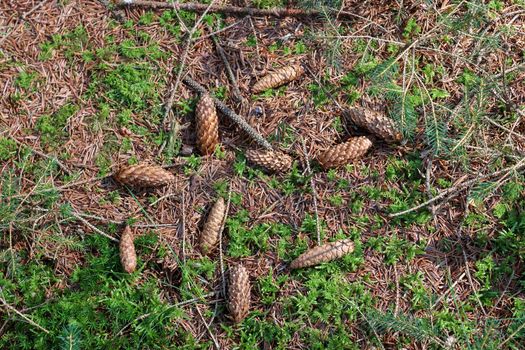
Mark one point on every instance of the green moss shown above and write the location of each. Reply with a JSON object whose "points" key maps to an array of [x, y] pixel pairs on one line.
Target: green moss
{"points": [[52, 127], [8, 148]]}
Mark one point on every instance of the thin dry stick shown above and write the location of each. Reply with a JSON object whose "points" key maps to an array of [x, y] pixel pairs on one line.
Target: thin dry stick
{"points": [[43, 155], [94, 228], [314, 194], [212, 336], [232, 10], [221, 257], [230, 114], [183, 229], [398, 294], [169, 105], [182, 303], [442, 296], [30, 321], [235, 87], [60, 188], [452, 190], [512, 335], [469, 277]]}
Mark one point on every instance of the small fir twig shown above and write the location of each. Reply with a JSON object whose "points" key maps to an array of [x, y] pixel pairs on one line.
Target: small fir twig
{"points": [[234, 10], [30, 321], [314, 194], [254, 134]]}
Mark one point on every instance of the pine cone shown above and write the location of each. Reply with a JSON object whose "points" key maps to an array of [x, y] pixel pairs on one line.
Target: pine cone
{"points": [[376, 123], [343, 153], [280, 77], [207, 125], [323, 253], [210, 232], [128, 257], [144, 175], [273, 161], [239, 293]]}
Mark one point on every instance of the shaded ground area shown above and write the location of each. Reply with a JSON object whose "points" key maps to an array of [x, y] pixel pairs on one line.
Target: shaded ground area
{"points": [[84, 89]]}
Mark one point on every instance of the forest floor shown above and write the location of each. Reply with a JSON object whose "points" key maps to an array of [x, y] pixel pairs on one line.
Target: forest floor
{"points": [[84, 89]]}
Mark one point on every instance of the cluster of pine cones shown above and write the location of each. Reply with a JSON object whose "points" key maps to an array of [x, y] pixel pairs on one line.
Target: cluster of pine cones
{"points": [[370, 121], [239, 290]]}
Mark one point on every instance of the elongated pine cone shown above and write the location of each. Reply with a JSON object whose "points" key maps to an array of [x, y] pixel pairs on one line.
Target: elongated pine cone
{"points": [[375, 123], [341, 154], [128, 256], [144, 175], [239, 293], [207, 125], [323, 253], [280, 77], [273, 161], [210, 232]]}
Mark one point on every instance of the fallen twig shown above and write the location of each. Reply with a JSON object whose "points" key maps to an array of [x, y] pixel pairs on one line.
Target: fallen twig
{"points": [[517, 167], [168, 114], [235, 87], [230, 114], [93, 227], [314, 194], [30, 321], [235, 10]]}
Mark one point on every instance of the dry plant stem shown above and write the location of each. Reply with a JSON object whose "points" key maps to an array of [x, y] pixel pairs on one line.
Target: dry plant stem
{"points": [[30, 321], [221, 255], [314, 193], [232, 10], [43, 155], [171, 99], [212, 336], [182, 303], [230, 114], [94, 228], [453, 190], [235, 87], [469, 277]]}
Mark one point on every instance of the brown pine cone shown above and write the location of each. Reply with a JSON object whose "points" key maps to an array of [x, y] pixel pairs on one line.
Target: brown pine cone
{"points": [[375, 123], [128, 257], [144, 175], [239, 293], [323, 253], [343, 153], [210, 232], [273, 161], [280, 77], [207, 125]]}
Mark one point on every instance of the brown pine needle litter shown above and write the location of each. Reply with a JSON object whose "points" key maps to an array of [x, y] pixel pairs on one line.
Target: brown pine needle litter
{"points": [[239, 293], [83, 91], [128, 256], [210, 232], [323, 253], [144, 175]]}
